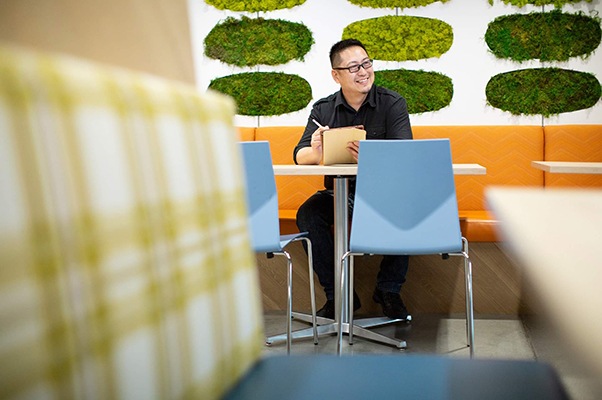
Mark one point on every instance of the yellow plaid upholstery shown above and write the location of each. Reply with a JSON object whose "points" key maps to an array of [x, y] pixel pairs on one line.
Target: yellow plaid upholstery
{"points": [[125, 264]]}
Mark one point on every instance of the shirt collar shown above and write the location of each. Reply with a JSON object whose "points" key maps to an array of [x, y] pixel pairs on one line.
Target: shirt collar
{"points": [[370, 99]]}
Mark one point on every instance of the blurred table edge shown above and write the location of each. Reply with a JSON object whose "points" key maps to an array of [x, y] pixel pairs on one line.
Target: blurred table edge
{"points": [[556, 235]]}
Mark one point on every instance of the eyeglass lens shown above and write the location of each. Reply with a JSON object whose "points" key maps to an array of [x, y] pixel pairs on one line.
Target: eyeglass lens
{"points": [[356, 68]]}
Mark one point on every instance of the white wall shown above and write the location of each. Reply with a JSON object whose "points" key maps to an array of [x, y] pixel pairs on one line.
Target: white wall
{"points": [[468, 63]]}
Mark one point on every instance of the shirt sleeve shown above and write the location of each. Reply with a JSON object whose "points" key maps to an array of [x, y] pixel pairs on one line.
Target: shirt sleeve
{"points": [[305, 140], [398, 120], [310, 128]]}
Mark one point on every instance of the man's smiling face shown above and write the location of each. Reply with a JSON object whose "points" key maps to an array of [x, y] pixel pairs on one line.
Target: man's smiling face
{"points": [[356, 83]]}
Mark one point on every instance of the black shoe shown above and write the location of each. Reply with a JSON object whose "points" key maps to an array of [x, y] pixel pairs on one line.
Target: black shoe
{"points": [[327, 311], [391, 303]]}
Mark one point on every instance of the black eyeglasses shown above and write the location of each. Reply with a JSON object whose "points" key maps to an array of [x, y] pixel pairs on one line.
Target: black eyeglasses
{"points": [[355, 68]]}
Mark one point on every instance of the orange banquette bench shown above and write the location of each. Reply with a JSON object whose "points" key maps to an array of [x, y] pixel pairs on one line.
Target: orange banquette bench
{"points": [[505, 150]]}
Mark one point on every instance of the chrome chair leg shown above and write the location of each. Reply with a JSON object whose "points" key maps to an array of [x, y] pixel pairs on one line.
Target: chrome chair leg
{"points": [[339, 311], [350, 308], [289, 303], [469, 298], [468, 294], [312, 290]]}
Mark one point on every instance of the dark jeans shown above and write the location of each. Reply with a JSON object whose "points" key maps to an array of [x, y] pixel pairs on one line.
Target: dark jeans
{"points": [[316, 216]]}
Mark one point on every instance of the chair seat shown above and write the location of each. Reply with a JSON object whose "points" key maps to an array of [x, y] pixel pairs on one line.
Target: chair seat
{"points": [[285, 240], [394, 377]]}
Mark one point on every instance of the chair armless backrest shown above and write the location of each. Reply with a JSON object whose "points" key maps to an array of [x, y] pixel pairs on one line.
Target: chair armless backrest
{"points": [[405, 201], [262, 197], [126, 269]]}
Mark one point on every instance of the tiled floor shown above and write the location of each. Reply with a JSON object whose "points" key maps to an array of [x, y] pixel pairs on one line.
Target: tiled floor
{"points": [[435, 334]]}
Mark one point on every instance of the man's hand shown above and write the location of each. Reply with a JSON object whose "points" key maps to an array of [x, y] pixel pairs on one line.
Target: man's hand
{"points": [[354, 148], [313, 154], [316, 139]]}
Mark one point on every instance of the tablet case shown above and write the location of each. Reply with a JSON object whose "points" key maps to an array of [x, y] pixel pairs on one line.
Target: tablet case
{"points": [[334, 143]]}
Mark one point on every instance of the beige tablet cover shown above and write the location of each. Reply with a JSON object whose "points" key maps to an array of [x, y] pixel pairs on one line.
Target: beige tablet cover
{"points": [[334, 143]]}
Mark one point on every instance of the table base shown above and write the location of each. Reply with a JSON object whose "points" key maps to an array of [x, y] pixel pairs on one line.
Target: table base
{"points": [[328, 327]]}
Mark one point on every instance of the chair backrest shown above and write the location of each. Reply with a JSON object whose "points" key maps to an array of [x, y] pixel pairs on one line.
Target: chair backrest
{"points": [[126, 269], [261, 195], [405, 199]]}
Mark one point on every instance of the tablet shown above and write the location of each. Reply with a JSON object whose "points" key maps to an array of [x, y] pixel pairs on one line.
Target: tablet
{"points": [[334, 143]]}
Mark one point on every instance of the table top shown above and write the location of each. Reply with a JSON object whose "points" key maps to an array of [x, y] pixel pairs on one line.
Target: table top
{"points": [[556, 235], [569, 167], [351, 169]]}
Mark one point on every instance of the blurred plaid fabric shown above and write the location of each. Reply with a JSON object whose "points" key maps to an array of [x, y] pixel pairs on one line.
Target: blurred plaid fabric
{"points": [[125, 264]]}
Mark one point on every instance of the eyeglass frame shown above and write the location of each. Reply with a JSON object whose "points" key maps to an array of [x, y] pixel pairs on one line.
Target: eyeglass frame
{"points": [[358, 66]]}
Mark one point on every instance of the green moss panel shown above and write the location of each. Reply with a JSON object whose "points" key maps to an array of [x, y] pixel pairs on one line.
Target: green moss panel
{"points": [[254, 41], [265, 93], [555, 3], [543, 91], [254, 5], [394, 3], [424, 91], [550, 36], [402, 38]]}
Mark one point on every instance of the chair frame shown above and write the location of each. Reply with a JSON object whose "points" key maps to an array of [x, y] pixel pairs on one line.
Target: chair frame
{"points": [[346, 287], [402, 344], [289, 280], [276, 244]]}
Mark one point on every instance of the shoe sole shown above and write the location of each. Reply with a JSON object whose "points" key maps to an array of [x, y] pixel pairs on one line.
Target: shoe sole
{"points": [[356, 307], [377, 300]]}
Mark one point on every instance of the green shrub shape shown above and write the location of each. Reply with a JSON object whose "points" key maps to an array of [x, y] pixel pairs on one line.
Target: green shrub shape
{"points": [[254, 5], [394, 3], [424, 91], [556, 3], [543, 91], [253, 41], [551, 36], [402, 38], [265, 93]]}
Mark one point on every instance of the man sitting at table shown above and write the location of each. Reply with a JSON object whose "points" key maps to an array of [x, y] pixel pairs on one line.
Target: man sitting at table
{"points": [[383, 114]]}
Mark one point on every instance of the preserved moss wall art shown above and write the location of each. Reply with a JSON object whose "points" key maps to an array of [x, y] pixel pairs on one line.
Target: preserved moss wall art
{"points": [[424, 91], [265, 93], [551, 36], [555, 3], [394, 3], [402, 38], [254, 5], [543, 91], [254, 41]]}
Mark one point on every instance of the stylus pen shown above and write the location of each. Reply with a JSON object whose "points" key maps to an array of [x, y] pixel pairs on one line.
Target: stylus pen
{"points": [[317, 123]]}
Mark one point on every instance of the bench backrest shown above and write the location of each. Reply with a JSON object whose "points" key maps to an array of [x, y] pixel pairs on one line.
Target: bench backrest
{"points": [[506, 152], [573, 143], [292, 190]]}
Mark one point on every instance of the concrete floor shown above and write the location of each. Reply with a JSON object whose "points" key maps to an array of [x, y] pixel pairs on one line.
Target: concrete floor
{"points": [[530, 338]]}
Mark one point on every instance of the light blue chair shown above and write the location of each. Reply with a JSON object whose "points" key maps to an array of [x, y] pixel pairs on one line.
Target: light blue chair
{"points": [[405, 204], [262, 201]]}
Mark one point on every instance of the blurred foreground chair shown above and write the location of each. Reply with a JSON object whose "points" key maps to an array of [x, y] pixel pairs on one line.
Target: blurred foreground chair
{"points": [[125, 264], [405, 204], [262, 201], [126, 267]]}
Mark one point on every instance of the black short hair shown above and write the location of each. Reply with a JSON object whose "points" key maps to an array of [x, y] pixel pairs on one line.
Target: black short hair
{"points": [[338, 47]]}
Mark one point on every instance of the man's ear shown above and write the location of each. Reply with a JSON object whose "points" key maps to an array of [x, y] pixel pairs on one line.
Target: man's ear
{"points": [[335, 75]]}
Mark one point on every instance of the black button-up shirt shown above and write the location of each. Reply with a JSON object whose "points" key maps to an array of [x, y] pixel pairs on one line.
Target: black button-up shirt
{"points": [[384, 115]]}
